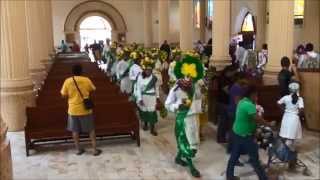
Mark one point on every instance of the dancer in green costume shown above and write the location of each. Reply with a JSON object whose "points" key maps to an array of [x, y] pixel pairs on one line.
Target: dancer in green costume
{"points": [[185, 100], [147, 95]]}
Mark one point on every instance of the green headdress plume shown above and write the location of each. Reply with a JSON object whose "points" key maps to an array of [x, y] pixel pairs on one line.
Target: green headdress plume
{"points": [[190, 66]]}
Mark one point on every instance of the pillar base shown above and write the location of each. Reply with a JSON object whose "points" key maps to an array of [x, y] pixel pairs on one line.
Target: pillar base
{"points": [[16, 95], [47, 63], [5, 154]]}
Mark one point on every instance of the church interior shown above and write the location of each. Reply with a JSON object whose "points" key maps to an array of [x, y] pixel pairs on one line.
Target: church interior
{"points": [[160, 89]]}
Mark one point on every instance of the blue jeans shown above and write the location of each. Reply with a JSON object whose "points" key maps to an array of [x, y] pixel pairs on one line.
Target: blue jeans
{"points": [[249, 146]]}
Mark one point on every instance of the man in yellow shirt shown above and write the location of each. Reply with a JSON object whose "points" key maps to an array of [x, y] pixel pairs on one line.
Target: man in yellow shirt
{"points": [[80, 119]]}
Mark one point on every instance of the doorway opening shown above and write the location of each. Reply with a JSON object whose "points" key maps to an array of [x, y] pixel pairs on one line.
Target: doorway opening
{"points": [[94, 28], [248, 31]]}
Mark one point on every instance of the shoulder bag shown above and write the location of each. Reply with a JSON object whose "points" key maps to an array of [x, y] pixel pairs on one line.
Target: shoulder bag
{"points": [[88, 103]]}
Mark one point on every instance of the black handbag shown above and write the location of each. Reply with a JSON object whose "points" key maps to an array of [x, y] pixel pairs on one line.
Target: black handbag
{"points": [[87, 102]]}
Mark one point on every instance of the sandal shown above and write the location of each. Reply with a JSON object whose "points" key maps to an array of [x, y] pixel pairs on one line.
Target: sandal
{"points": [[97, 152]]}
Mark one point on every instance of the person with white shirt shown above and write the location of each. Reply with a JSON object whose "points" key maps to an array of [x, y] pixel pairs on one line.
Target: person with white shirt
{"points": [[176, 56], [122, 72], [106, 50], [299, 55], [311, 59], [240, 54], [134, 71], [262, 58], [157, 71], [184, 99], [147, 96]]}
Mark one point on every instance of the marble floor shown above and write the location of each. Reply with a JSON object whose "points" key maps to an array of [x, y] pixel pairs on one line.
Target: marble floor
{"points": [[122, 159]]}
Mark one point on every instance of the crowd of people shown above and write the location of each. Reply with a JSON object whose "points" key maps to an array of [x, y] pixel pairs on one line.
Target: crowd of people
{"points": [[306, 58], [143, 74], [238, 99], [168, 79]]}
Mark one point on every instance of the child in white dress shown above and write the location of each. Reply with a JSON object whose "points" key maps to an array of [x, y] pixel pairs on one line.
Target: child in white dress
{"points": [[293, 105]]}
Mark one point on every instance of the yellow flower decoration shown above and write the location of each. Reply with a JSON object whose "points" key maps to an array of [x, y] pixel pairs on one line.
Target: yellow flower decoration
{"points": [[147, 63], [192, 53], [134, 55], [189, 70]]}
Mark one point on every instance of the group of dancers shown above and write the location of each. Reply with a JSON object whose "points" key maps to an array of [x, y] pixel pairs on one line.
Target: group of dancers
{"points": [[139, 73]]}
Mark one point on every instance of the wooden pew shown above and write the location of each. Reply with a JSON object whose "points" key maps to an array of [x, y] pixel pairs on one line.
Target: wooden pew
{"points": [[47, 122]]}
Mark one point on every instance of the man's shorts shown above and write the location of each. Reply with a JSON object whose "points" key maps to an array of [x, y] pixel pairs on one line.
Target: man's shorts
{"points": [[81, 124]]}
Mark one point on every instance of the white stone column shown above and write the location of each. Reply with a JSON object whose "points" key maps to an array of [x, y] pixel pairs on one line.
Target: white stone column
{"points": [[280, 33], [44, 30], [202, 20], [260, 19], [221, 33], [47, 32], [5, 153], [186, 24], [147, 23], [163, 20], [311, 23], [16, 84], [35, 43], [50, 26]]}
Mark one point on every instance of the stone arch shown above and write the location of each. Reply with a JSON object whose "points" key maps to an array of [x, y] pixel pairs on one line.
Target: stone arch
{"points": [[94, 8]]}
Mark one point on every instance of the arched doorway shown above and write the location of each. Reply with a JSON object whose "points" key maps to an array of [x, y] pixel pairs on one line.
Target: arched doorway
{"points": [[94, 28], [248, 31], [94, 8]]}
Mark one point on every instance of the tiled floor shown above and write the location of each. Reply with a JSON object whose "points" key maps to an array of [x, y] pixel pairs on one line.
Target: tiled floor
{"points": [[122, 159]]}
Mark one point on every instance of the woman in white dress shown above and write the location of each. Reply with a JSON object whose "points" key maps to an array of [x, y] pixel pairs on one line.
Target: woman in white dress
{"points": [[293, 105]]}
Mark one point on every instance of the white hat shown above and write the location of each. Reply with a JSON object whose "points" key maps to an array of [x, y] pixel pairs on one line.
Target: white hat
{"points": [[294, 87]]}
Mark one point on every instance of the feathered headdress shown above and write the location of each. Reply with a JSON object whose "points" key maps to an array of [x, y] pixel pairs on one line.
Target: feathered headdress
{"points": [[120, 55], [163, 55], [113, 45], [134, 55], [147, 63], [190, 66], [176, 52]]}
